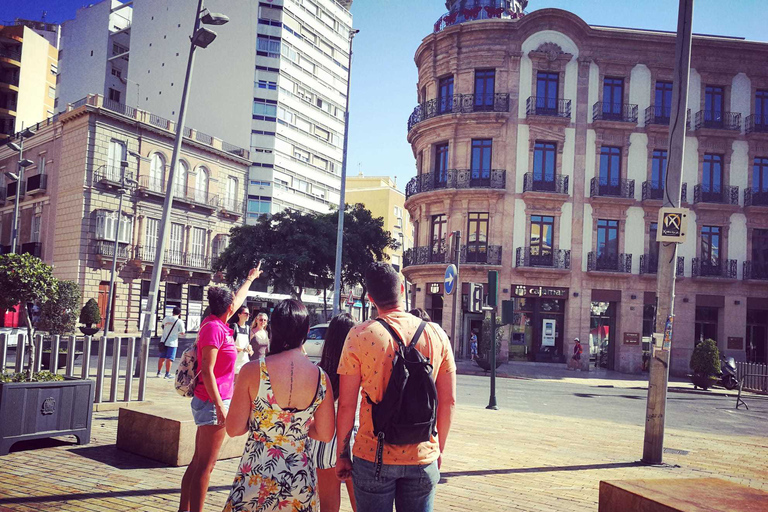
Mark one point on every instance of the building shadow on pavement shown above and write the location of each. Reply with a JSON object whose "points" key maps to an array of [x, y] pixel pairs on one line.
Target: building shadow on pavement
{"points": [[48, 442], [118, 459], [70, 497], [543, 469]]}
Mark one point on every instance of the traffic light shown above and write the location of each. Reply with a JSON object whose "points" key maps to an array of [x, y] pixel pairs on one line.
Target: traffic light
{"points": [[493, 288], [508, 312]]}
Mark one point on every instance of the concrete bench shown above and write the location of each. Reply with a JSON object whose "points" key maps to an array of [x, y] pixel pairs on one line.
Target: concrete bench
{"points": [[681, 495], [166, 434]]}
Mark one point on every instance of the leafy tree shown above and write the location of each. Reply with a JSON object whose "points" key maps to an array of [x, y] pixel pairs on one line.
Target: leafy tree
{"points": [[90, 313], [59, 315], [24, 280]]}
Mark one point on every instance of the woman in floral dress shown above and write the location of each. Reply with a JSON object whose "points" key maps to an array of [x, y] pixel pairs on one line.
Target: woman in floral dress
{"points": [[280, 401]]}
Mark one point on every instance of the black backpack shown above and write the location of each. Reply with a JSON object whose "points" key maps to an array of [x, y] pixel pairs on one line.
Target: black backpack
{"points": [[407, 414]]}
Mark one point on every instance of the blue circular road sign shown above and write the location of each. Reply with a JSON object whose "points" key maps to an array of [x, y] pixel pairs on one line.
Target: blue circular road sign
{"points": [[450, 279]]}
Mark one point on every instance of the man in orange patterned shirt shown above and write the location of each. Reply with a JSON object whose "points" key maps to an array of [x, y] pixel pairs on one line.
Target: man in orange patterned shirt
{"points": [[409, 474]]}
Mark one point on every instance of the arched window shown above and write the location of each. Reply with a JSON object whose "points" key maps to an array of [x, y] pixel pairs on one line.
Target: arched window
{"points": [[181, 179], [201, 185], [156, 172]]}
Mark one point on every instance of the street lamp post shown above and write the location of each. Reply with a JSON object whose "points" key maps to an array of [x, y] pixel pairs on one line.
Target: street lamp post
{"points": [[342, 192], [201, 37], [19, 178], [125, 182]]}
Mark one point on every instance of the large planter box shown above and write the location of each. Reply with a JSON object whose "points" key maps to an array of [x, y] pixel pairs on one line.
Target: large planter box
{"points": [[34, 410]]}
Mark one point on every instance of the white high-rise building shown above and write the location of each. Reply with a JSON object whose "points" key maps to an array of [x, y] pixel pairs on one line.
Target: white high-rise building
{"points": [[274, 80]]}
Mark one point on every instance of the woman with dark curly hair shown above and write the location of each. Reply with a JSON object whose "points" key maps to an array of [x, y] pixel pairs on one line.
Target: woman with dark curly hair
{"points": [[281, 400], [216, 356]]}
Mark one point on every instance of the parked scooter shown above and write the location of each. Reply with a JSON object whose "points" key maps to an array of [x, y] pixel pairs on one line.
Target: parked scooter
{"points": [[728, 374]]}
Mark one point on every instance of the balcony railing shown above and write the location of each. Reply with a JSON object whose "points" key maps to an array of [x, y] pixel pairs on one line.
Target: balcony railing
{"points": [[721, 268], [720, 195], [558, 184], [456, 178], [10, 189], [11, 53], [649, 264], [474, 13], [120, 108], [653, 191], [107, 248], [718, 120], [151, 184], [109, 173], [538, 258], [160, 122], [426, 255], [203, 137], [39, 182], [756, 124], [229, 205], [201, 197], [235, 150], [612, 188], [755, 270], [551, 107], [621, 263], [481, 254], [459, 104], [755, 198], [624, 112], [33, 248], [174, 258]]}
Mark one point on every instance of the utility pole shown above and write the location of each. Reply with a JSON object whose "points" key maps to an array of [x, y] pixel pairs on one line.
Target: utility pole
{"points": [[653, 446], [342, 193], [457, 290]]}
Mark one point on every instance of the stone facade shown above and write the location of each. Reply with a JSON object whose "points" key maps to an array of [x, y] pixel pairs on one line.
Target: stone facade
{"points": [[87, 147], [538, 137]]}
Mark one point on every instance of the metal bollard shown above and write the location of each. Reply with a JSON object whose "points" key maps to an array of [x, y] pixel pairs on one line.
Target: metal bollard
{"points": [[21, 348], [101, 369], [143, 368], [71, 348], [3, 352], [116, 342], [53, 362], [85, 370], [38, 366], [129, 351]]}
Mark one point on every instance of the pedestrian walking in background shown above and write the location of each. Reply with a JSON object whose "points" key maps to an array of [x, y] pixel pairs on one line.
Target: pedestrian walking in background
{"points": [[473, 345], [577, 351], [216, 356], [173, 326], [260, 335], [242, 337], [281, 400], [324, 454], [384, 473]]}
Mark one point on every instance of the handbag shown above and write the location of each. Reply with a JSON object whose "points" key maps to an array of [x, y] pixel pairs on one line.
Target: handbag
{"points": [[162, 342]]}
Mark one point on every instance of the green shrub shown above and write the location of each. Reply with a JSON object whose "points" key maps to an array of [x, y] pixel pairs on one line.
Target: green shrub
{"points": [[45, 376], [59, 314], [705, 359], [90, 313]]}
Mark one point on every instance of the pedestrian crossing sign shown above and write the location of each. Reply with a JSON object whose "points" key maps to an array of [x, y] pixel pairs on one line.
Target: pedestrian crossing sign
{"points": [[673, 225]]}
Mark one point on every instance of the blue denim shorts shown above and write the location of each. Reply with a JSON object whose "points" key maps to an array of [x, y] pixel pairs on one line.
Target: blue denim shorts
{"points": [[168, 353], [205, 412]]}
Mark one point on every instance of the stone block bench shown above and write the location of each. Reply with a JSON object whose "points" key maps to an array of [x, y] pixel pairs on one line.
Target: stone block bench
{"points": [[166, 434], [680, 495]]}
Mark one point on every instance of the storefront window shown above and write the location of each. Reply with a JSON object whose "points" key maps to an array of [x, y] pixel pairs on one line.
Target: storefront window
{"points": [[601, 333], [706, 324]]}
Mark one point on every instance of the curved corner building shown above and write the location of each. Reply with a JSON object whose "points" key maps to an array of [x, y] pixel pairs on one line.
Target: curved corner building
{"points": [[543, 141]]}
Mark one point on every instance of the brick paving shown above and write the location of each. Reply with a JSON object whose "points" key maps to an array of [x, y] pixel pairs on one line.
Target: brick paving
{"points": [[497, 460]]}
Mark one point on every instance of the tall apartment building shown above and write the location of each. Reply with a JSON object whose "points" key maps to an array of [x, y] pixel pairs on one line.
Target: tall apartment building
{"points": [[543, 140], [274, 81], [28, 68], [69, 202]]}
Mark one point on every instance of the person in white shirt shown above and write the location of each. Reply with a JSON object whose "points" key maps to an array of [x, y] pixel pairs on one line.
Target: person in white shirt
{"points": [[242, 338], [173, 326]]}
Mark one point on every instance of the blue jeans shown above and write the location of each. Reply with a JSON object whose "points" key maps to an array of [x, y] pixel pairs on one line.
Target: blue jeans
{"points": [[409, 488]]}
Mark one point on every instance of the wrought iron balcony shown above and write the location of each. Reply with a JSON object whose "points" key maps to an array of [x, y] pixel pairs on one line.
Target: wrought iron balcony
{"points": [[10, 189], [459, 104], [719, 195], [624, 112], [33, 248], [718, 120], [721, 268], [180, 259], [109, 174], [656, 114], [107, 248], [202, 197], [426, 255], [456, 178], [550, 107], [756, 124], [231, 206], [607, 262], [755, 198], [481, 254], [558, 184], [612, 188], [474, 13], [653, 191], [37, 183], [151, 184], [649, 263], [538, 258], [755, 270]]}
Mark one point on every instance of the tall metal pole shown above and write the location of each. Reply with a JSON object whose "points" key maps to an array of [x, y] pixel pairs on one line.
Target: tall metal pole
{"points": [[15, 227], [653, 446], [457, 291], [154, 286], [121, 192], [342, 193]]}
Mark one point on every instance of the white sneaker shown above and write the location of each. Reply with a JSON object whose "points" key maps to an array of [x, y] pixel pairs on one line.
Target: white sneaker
{"points": [[168, 376], [158, 375]]}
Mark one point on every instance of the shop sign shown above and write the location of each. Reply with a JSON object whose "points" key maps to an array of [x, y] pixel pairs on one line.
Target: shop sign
{"points": [[631, 338], [735, 343], [545, 292], [674, 225]]}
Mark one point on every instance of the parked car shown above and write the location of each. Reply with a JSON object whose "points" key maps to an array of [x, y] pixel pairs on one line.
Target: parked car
{"points": [[315, 339], [13, 335]]}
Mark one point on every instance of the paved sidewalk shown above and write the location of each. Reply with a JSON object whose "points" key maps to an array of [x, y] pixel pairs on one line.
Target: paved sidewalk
{"points": [[496, 461]]}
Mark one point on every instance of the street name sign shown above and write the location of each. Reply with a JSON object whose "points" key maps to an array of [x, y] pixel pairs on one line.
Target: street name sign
{"points": [[451, 274]]}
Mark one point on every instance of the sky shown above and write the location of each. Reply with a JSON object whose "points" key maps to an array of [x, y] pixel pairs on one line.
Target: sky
{"points": [[383, 87]]}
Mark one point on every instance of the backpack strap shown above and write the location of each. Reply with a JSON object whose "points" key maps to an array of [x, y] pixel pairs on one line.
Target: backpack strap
{"points": [[392, 333], [417, 334]]}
